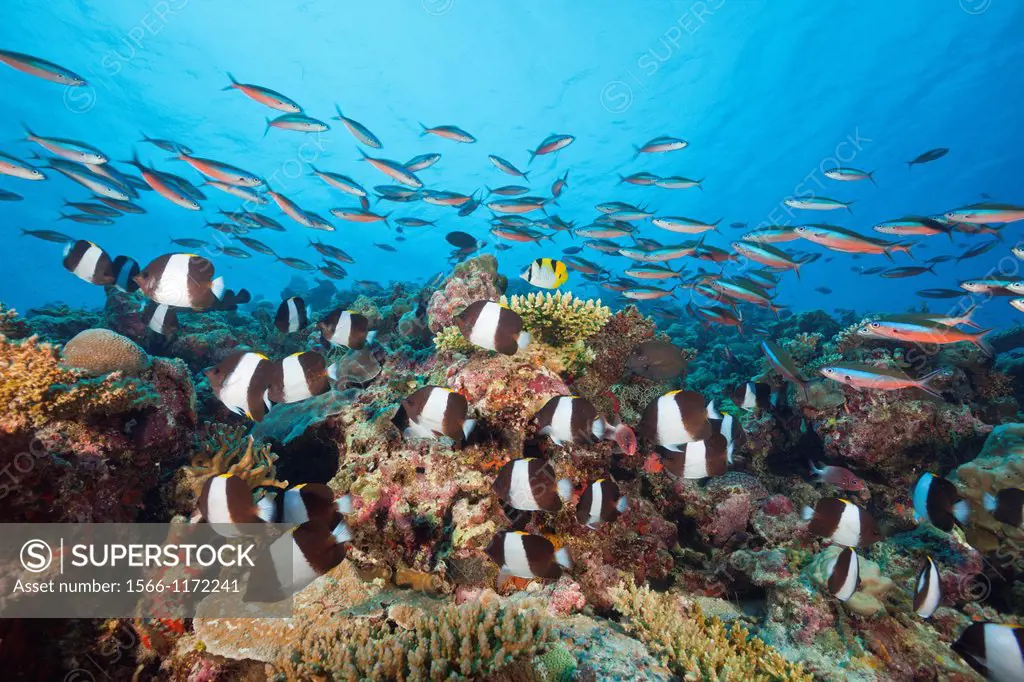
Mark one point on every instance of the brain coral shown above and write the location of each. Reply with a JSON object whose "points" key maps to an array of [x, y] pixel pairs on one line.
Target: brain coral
{"points": [[100, 351]]}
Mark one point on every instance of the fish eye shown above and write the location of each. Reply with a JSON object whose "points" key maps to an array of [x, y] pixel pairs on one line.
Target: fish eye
{"points": [[875, 325]]}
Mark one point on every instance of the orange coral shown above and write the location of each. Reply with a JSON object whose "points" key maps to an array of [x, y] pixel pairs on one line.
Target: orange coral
{"points": [[35, 388]]}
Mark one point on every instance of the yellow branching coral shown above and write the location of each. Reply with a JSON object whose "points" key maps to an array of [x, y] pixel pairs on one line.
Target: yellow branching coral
{"points": [[559, 319], [455, 642], [698, 647], [451, 340], [228, 450], [36, 388]]}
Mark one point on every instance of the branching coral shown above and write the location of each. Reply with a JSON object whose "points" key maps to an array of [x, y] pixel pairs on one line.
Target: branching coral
{"points": [[227, 450], [697, 647], [456, 642], [451, 340], [559, 319], [36, 388]]}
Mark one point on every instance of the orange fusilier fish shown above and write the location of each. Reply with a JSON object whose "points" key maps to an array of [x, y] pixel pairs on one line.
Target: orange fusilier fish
{"points": [[523, 205], [847, 241], [161, 186], [979, 214], [963, 318], [716, 314], [358, 215], [784, 364], [453, 133], [265, 96], [221, 171], [861, 376], [551, 144], [393, 170], [40, 68], [924, 332], [766, 254]]}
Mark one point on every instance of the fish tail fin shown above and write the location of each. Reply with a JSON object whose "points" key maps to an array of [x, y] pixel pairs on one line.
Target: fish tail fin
{"points": [[217, 287], [562, 558], [848, 205], [340, 115], [267, 129], [344, 504], [622, 178], [423, 128], [714, 225], [564, 488], [871, 177], [962, 512], [28, 131], [533, 155], [925, 383], [64, 216], [467, 428], [332, 372], [342, 533], [371, 336], [636, 152], [815, 471], [622, 505], [524, 340], [265, 507], [966, 317], [989, 502], [978, 339], [807, 513], [234, 83]]}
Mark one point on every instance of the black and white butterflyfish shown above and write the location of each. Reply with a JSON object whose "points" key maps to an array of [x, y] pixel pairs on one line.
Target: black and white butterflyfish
{"points": [[696, 460], [601, 502], [844, 574], [160, 318], [675, 418], [242, 382], [435, 412], [1006, 506], [994, 650], [298, 377], [225, 501], [293, 315], [529, 484], [841, 522], [304, 502], [938, 502], [346, 328], [297, 558], [927, 590], [727, 425], [570, 419], [88, 262], [523, 555], [125, 271], [493, 326]]}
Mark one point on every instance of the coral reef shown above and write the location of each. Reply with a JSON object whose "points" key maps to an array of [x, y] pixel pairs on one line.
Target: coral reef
{"points": [[35, 388], [714, 579], [475, 280], [999, 465]]}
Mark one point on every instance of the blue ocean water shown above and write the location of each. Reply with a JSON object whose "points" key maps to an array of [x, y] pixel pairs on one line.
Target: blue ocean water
{"points": [[768, 94]]}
